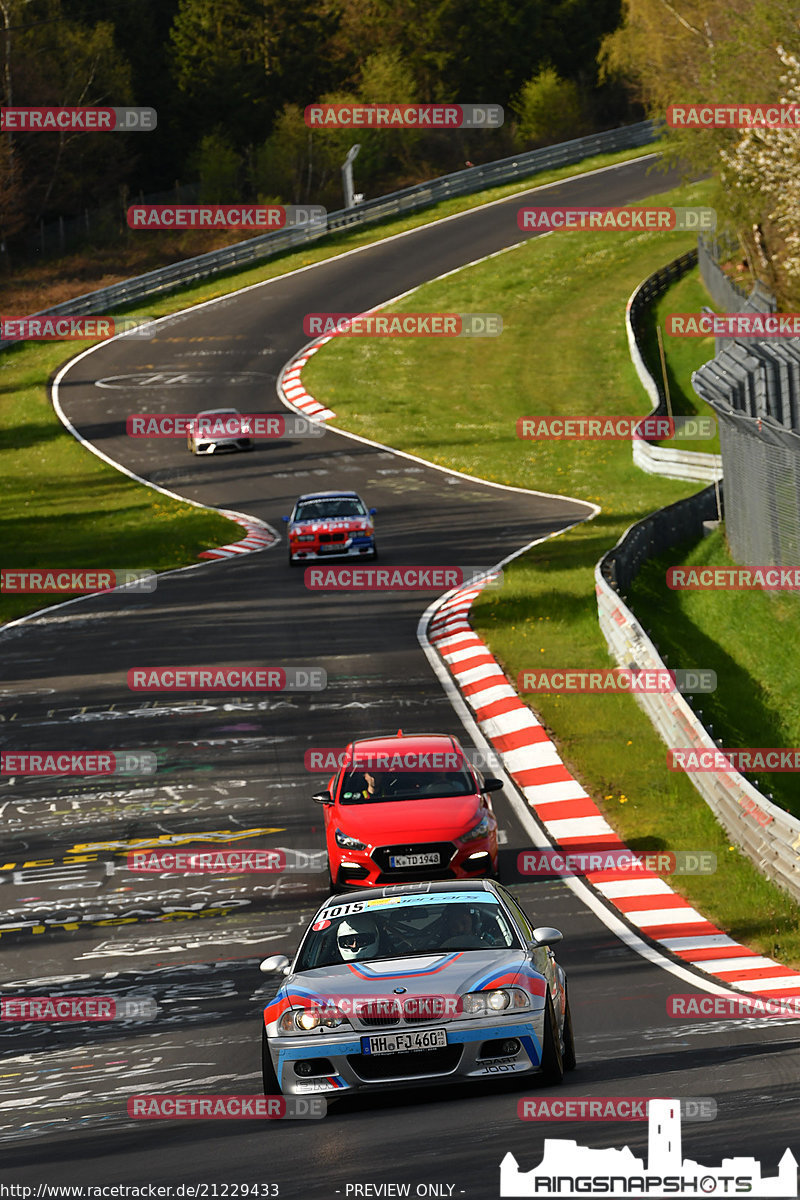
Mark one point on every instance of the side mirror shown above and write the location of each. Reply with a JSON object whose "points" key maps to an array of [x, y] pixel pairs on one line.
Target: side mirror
{"points": [[277, 962], [490, 784], [372, 512], [285, 520], [545, 935], [322, 797]]}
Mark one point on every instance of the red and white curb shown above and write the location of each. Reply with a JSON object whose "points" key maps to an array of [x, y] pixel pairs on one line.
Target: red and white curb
{"points": [[259, 537], [571, 818], [291, 389]]}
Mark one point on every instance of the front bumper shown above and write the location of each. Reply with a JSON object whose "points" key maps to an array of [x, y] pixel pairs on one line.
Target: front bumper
{"points": [[206, 447], [351, 549], [359, 868], [472, 1052]]}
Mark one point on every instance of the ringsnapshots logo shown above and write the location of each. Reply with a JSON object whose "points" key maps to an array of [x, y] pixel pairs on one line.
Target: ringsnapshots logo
{"points": [[30, 119], [222, 426], [431, 324], [78, 762], [226, 1108], [326, 759], [267, 217], [569, 1169], [65, 328], [579, 861], [609, 1108], [733, 325], [398, 579], [616, 680], [56, 1009], [733, 579], [742, 759], [733, 116], [228, 679], [620, 428], [69, 580], [618, 220], [404, 116], [224, 860]]}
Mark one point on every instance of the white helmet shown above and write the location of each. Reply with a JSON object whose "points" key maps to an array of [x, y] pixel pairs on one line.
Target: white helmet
{"points": [[357, 937]]}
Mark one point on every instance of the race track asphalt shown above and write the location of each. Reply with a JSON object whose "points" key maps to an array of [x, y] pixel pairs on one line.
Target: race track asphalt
{"points": [[231, 770]]}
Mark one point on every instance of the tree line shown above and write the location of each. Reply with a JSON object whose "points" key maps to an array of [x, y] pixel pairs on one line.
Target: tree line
{"points": [[230, 80]]}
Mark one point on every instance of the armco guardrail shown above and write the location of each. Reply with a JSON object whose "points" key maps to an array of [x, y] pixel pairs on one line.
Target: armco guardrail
{"points": [[663, 460], [459, 183], [769, 836]]}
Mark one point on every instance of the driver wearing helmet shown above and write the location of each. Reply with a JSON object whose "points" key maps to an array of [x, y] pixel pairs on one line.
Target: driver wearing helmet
{"points": [[357, 937]]}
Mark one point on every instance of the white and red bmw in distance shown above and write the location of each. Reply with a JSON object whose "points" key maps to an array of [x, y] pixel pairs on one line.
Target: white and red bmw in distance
{"points": [[331, 525], [408, 808]]}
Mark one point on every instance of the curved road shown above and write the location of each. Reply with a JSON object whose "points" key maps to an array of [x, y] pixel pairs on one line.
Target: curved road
{"points": [[231, 770]]}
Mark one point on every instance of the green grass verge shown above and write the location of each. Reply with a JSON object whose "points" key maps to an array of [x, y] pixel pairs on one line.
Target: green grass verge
{"points": [[743, 638], [563, 350], [62, 506]]}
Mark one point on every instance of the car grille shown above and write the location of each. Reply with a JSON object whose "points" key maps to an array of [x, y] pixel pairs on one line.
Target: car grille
{"points": [[333, 537], [445, 850], [412, 1064]]}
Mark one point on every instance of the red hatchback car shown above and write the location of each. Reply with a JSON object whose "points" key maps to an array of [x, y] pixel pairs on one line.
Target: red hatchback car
{"points": [[408, 808]]}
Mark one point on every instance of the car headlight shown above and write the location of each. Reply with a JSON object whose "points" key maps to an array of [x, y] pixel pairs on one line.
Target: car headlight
{"points": [[489, 1003], [307, 1020], [348, 843], [303, 537], [478, 831]]}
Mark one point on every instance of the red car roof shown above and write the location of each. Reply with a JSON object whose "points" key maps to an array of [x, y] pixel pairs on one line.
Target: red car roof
{"points": [[418, 743]]}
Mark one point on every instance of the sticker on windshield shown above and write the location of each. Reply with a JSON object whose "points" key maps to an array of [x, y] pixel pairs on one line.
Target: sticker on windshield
{"points": [[431, 898], [340, 910]]}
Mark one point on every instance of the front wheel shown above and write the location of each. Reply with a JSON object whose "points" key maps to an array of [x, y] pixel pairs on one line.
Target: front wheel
{"points": [[271, 1085], [552, 1065]]}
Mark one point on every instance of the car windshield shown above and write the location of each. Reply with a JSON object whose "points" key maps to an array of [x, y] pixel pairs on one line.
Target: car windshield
{"points": [[330, 506], [373, 787], [407, 926]]}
